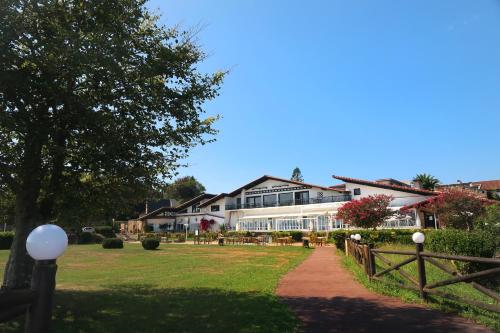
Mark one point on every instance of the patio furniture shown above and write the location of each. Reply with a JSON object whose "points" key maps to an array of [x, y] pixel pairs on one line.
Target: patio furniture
{"points": [[305, 242], [197, 240]]}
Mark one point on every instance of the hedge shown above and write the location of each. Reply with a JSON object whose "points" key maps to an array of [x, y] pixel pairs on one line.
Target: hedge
{"points": [[98, 238], [465, 243], [150, 243], [106, 231], [6, 239], [112, 243], [397, 236], [85, 238]]}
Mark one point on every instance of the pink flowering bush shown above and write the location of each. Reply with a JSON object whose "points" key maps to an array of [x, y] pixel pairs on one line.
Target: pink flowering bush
{"points": [[368, 212]]}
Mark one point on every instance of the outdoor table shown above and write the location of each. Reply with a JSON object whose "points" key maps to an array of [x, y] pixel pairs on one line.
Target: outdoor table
{"points": [[221, 241], [321, 240], [197, 240]]}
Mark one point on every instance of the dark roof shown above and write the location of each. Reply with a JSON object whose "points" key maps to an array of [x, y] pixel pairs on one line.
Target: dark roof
{"points": [[386, 186], [266, 177], [214, 199], [157, 211], [392, 181], [194, 200], [178, 208]]}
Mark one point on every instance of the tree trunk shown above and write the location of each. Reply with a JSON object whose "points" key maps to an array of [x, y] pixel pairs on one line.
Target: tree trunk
{"points": [[20, 264]]}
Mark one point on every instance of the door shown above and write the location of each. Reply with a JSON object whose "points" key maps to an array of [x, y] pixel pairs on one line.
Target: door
{"points": [[302, 198], [429, 221]]}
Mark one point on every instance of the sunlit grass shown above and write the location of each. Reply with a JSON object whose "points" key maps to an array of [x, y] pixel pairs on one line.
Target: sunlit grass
{"points": [[181, 288]]}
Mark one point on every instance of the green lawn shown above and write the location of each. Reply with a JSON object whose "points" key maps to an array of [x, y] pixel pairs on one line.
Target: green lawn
{"points": [[433, 274], [178, 288]]}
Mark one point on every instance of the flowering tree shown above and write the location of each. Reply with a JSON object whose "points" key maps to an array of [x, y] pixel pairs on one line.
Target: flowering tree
{"points": [[458, 208], [368, 212], [205, 224]]}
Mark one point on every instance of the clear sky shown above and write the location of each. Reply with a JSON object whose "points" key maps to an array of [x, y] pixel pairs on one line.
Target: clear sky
{"points": [[366, 89]]}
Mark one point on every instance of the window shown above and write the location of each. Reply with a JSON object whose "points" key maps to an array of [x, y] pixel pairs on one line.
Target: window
{"points": [[238, 203], [254, 202], [357, 191], [195, 208], [285, 199], [215, 208], [269, 200], [302, 198]]}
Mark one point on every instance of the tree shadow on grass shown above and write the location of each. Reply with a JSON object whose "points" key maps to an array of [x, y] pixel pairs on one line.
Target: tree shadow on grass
{"points": [[142, 308]]}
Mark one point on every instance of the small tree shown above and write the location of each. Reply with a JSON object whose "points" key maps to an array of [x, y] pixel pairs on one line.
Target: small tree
{"points": [[490, 220], [297, 175], [458, 208], [368, 212], [427, 181]]}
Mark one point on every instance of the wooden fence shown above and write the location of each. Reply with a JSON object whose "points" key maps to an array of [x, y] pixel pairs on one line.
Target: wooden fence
{"points": [[36, 302], [366, 256]]}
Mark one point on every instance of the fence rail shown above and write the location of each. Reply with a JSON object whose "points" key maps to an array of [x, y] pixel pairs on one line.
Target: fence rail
{"points": [[365, 255]]}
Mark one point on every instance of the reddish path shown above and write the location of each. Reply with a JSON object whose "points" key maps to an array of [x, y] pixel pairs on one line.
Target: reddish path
{"points": [[326, 298]]}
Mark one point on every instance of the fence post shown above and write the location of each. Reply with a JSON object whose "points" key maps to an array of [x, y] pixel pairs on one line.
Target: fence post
{"points": [[43, 282], [422, 280], [371, 261], [346, 245]]}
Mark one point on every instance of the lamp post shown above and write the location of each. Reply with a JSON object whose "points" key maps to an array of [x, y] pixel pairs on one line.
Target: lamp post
{"points": [[44, 244], [419, 238]]}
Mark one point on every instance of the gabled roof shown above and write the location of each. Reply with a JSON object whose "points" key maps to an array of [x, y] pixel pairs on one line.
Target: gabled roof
{"points": [[214, 199], [266, 177], [194, 200], [178, 208], [385, 186]]}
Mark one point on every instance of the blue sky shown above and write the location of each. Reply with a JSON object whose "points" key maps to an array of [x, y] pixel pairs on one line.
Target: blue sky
{"points": [[366, 89]]}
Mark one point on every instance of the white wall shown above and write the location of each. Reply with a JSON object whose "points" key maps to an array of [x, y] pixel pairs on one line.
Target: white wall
{"points": [[400, 198]]}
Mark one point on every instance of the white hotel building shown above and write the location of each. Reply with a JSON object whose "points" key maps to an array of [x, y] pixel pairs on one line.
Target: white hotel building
{"points": [[275, 204]]}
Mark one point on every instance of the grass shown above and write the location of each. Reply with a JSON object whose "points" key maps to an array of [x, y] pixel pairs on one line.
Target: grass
{"points": [[433, 274], [181, 288]]}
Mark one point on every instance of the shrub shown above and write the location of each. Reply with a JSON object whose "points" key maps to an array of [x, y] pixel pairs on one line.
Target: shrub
{"points": [[106, 231], [490, 221], [459, 242], [150, 243], [112, 243], [85, 238], [368, 212], [377, 237], [98, 238], [6, 239]]}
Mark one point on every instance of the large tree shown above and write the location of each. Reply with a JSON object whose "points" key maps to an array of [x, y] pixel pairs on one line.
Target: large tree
{"points": [[427, 181], [184, 188], [93, 94]]}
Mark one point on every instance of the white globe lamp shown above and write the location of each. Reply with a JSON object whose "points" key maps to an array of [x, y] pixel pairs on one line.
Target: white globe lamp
{"points": [[352, 237], [418, 237], [357, 237], [46, 242]]}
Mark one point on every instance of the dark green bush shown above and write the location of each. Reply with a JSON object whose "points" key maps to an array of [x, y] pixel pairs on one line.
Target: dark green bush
{"points": [[376, 237], [106, 231], [465, 243], [112, 243], [148, 228], [98, 238], [85, 238], [150, 243], [6, 239]]}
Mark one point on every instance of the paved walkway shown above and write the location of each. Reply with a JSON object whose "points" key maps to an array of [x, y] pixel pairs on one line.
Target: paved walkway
{"points": [[326, 298]]}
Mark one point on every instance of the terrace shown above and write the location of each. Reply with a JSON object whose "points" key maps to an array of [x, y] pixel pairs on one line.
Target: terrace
{"points": [[296, 202]]}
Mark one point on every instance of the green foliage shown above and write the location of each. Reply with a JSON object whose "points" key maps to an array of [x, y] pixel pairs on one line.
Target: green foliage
{"points": [[97, 238], [6, 239], [427, 181], [112, 243], [490, 221], [106, 231], [85, 238], [150, 243], [376, 237], [297, 175], [367, 212], [465, 243], [184, 189]]}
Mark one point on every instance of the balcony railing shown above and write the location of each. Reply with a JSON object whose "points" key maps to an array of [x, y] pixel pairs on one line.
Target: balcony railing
{"points": [[335, 198]]}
